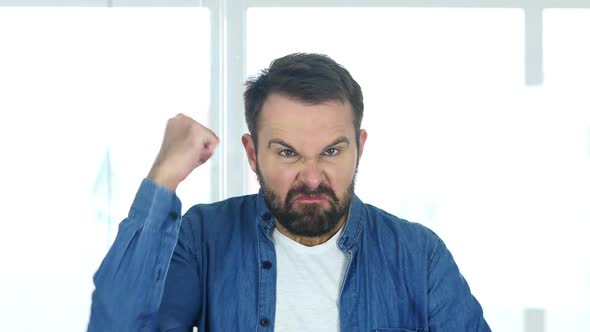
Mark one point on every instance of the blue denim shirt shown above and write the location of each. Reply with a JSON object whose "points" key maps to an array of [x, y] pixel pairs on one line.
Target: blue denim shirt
{"points": [[215, 268]]}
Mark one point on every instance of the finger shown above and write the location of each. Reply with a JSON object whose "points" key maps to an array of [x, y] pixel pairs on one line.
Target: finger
{"points": [[205, 155], [210, 139], [210, 133], [210, 145]]}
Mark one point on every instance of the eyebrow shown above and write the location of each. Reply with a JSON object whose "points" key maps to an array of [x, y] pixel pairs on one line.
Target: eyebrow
{"points": [[281, 142], [342, 139]]}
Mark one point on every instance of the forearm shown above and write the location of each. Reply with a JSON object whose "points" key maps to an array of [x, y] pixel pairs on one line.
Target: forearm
{"points": [[130, 281]]}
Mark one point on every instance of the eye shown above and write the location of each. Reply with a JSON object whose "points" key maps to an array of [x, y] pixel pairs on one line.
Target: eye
{"points": [[287, 153], [331, 152]]}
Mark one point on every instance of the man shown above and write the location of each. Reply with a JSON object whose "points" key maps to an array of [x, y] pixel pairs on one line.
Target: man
{"points": [[305, 254]]}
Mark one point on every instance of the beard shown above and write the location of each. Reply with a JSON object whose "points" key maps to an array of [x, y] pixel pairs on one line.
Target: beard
{"points": [[312, 220]]}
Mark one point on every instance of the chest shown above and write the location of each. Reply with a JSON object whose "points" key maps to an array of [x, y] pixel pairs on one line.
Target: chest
{"points": [[308, 287], [272, 289]]}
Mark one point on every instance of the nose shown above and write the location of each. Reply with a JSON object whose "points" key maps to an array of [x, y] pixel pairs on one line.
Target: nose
{"points": [[311, 175]]}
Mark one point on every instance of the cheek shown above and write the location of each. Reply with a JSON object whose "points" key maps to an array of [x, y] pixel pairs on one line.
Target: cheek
{"points": [[278, 177], [342, 180], [340, 176]]}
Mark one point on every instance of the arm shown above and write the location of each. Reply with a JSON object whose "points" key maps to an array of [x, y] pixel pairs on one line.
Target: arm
{"points": [[452, 307], [181, 306], [130, 281]]}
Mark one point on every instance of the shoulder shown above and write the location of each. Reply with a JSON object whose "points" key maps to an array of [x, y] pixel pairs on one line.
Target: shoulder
{"points": [[389, 230], [222, 216], [229, 206]]}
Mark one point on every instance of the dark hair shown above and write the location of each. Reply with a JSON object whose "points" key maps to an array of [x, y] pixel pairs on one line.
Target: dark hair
{"points": [[307, 77]]}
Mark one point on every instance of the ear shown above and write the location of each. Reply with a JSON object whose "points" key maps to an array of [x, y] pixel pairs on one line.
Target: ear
{"points": [[248, 143], [362, 140]]}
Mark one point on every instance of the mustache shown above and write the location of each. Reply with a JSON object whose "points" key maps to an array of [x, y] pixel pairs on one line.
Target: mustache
{"points": [[322, 189]]}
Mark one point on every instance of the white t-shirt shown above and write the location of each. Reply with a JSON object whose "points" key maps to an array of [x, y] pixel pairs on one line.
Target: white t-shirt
{"points": [[308, 284]]}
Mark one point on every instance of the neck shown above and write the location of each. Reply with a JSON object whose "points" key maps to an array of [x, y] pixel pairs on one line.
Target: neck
{"points": [[312, 241]]}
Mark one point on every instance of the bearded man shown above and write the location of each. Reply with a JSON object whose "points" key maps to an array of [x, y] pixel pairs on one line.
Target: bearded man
{"points": [[304, 254]]}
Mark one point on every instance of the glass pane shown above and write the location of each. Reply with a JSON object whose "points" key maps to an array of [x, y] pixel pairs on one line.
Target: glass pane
{"points": [[86, 93], [458, 143], [566, 54], [567, 49]]}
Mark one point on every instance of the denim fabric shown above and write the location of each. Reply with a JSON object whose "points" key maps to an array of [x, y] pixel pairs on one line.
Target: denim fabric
{"points": [[215, 269]]}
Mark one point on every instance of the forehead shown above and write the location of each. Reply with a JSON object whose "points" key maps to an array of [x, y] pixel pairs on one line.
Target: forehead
{"points": [[287, 118]]}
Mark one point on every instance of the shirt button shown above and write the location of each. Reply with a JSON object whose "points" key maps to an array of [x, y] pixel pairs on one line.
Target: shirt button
{"points": [[173, 215], [266, 265], [264, 322], [266, 216]]}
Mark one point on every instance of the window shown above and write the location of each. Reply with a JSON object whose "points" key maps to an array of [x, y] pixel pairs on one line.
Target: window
{"points": [[86, 93], [459, 143]]}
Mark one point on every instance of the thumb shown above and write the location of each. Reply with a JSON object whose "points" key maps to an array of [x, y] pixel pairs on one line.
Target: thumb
{"points": [[206, 152]]}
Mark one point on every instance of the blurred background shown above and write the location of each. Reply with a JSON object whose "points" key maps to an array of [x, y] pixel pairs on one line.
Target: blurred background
{"points": [[478, 114]]}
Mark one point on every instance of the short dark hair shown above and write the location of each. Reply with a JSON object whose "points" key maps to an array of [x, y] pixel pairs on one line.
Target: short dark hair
{"points": [[307, 77]]}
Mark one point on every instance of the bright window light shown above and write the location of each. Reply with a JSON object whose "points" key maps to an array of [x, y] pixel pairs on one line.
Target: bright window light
{"points": [[86, 93]]}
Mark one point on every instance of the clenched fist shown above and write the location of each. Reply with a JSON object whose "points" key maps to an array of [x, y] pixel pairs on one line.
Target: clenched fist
{"points": [[187, 145]]}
